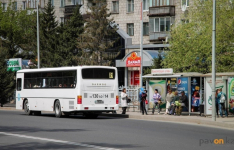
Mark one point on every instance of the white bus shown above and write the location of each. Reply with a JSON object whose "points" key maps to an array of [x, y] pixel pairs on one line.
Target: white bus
{"points": [[90, 90]]}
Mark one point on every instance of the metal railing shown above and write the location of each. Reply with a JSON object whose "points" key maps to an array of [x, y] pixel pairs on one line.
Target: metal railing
{"points": [[159, 35], [162, 11]]}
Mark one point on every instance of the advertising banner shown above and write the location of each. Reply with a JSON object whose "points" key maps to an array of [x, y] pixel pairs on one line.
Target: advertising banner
{"points": [[14, 64], [182, 85], [220, 84], [231, 94], [133, 60], [195, 91], [135, 78], [161, 86]]}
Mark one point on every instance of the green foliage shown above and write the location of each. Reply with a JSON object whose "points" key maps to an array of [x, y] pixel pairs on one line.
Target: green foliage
{"points": [[49, 56], [191, 43], [157, 64], [97, 37], [7, 82], [15, 30], [68, 35]]}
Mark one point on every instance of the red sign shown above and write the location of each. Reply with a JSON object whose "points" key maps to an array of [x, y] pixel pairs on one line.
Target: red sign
{"points": [[135, 78], [133, 60]]}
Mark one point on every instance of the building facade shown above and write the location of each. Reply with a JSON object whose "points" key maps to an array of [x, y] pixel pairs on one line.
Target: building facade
{"points": [[158, 18]]}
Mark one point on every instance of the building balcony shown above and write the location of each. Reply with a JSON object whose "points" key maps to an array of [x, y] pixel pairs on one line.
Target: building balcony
{"points": [[162, 9], [69, 9], [159, 36]]}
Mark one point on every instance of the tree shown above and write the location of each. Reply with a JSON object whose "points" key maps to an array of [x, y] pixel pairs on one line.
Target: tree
{"points": [[97, 36], [49, 56], [157, 64], [7, 82], [68, 35], [15, 31], [191, 42]]}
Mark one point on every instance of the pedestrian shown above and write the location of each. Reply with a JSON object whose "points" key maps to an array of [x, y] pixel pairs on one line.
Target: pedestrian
{"points": [[124, 98], [183, 103], [172, 107], [140, 97], [169, 98], [222, 101], [157, 101], [143, 99], [217, 102]]}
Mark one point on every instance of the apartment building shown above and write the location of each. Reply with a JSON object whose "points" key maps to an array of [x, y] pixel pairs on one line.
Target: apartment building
{"points": [[158, 17]]}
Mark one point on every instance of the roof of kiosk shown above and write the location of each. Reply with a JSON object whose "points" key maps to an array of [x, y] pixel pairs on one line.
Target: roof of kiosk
{"points": [[174, 75], [219, 74]]}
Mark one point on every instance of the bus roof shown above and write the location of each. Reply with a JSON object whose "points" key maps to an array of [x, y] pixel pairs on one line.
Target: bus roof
{"points": [[61, 68]]}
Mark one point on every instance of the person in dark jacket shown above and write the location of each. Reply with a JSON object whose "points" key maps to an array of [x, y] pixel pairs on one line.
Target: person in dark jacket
{"points": [[183, 103], [143, 99]]}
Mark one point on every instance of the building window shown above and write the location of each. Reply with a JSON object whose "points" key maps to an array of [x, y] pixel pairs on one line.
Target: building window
{"points": [[14, 5], [115, 7], [130, 29], [146, 4], [185, 2], [146, 28], [24, 5], [4, 6], [160, 24], [77, 2], [52, 2], [61, 19], [130, 6], [62, 3], [161, 2], [42, 3]]}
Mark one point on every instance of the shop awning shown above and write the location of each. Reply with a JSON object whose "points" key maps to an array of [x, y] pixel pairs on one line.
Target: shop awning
{"points": [[148, 56]]}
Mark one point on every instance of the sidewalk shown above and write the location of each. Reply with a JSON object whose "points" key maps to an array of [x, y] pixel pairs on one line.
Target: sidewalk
{"points": [[225, 123]]}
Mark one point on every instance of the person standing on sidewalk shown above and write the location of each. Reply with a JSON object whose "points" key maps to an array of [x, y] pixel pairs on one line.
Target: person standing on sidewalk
{"points": [[143, 99], [222, 100], [124, 98], [217, 102], [157, 100], [169, 98]]}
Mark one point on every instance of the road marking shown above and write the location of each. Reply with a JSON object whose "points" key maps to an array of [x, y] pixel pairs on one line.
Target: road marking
{"points": [[58, 141]]}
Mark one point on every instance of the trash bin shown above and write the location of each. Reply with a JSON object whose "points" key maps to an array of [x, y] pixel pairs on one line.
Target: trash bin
{"points": [[201, 107]]}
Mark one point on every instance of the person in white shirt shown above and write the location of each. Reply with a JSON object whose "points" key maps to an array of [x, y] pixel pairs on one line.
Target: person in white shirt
{"points": [[169, 98], [124, 103]]}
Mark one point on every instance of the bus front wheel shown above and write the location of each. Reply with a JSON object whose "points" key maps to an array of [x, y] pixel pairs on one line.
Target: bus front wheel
{"points": [[26, 108], [58, 112]]}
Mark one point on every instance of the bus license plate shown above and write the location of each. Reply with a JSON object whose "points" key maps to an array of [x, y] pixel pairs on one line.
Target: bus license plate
{"points": [[101, 96], [99, 102]]}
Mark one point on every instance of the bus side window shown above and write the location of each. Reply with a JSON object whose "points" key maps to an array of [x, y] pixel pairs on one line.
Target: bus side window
{"points": [[19, 84]]}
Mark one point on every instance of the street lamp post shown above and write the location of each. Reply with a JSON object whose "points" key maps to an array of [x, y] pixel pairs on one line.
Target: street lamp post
{"points": [[38, 50], [141, 45], [213, 61]]}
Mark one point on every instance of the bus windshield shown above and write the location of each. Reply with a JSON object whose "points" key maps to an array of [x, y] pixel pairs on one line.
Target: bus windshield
{"points": [[98, 73]]}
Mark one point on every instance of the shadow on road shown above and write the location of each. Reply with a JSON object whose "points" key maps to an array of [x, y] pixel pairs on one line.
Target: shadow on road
{"points": [[51, 146], [35, 129], [74, 116]]}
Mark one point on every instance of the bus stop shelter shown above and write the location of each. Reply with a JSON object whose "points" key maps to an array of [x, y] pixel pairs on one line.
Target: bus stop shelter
{"points": [[164, 79], [224, 81]]}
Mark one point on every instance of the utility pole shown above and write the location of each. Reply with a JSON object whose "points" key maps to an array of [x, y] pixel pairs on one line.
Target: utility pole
{"points": [[213, 61], [38, 48], [141, 45]]}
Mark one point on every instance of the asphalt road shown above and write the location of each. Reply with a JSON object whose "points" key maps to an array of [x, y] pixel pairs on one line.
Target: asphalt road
{"points": [[20, 132]]}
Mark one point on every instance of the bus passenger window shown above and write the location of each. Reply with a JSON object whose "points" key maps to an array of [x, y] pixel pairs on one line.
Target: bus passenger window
{"points": [[19, 81]]}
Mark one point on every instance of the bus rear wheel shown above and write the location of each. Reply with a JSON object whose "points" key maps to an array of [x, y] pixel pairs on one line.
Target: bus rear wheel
{"points": [[26, 108], [57, 108]]}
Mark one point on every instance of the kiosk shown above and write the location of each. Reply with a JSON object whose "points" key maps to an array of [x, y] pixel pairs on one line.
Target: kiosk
{"points": [[164, 79]]}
